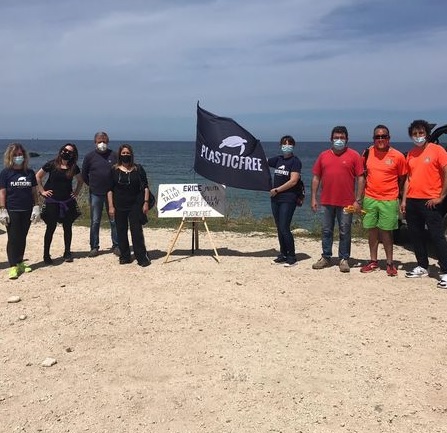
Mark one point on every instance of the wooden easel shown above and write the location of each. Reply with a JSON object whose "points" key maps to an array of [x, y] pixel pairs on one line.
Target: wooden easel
{"points": [[195, 237]]}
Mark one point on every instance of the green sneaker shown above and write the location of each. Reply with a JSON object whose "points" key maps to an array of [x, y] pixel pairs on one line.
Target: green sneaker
{"points": [[13, 272], [24, 267]]}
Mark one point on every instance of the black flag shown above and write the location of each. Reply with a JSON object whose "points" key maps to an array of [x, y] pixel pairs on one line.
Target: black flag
{"points": [[228, 154]]}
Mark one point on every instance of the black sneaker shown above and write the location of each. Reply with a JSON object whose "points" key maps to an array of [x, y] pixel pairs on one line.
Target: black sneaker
{"points": [[145, 263], [291, 261], [116, 250], [47, 260], [125, 260], [279, 260], [94, 252], [68, 257]]}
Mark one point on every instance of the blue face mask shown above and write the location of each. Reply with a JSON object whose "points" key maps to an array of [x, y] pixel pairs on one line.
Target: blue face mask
{"points": [[419, 141], [339, 144], [18, 160], [286, 148]]}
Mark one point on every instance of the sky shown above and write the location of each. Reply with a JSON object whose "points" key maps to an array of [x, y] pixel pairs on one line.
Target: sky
{"points": [[138, 68]]}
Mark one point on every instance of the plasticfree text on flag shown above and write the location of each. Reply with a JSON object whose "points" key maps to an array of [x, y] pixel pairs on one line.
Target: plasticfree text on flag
{"points": [[234, 161]]}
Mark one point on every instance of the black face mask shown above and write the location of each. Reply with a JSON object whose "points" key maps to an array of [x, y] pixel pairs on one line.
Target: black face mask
{"points": [[126, 159], [67, 156]]}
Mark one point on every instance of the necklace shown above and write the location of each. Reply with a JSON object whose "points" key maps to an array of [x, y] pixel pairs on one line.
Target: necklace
{"points": [[125, 169]]}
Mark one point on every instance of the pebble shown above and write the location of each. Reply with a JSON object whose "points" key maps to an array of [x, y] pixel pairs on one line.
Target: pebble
{"points": [[14, 299], [49, 362], [22, 317]]}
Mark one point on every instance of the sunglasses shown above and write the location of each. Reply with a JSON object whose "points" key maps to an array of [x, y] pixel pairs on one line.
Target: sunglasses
{"points": [[381, 137]]}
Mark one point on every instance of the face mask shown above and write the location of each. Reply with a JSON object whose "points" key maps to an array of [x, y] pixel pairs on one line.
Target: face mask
{"points": [[126, 158], [102, 147], [339, 144], [66, 155], [419, 141], [18, 160], [286, 148]]}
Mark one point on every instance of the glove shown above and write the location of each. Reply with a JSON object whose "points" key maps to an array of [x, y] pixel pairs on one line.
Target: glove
{"points": [[4, 217], [35, 214]]}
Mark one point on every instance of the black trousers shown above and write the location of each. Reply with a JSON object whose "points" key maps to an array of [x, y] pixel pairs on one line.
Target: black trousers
{"points": [[51, 219], [131, 219], [418, 216], [17, 229]]}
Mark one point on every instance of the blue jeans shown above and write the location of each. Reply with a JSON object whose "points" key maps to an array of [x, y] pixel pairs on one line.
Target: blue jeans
{"points": [[330, 213], [283, 213], [96, 207]]}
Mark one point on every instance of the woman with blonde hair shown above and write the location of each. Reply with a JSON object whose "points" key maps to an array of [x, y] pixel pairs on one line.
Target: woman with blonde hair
{"points": [[18, 205]]}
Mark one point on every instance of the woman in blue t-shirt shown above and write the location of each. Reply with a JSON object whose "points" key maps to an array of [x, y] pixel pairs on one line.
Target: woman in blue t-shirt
{"points": [[60, 198], [18, 205], [284, 197]]}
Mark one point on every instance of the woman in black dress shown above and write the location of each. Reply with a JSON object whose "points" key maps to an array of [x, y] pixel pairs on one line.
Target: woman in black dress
{"points": [[129, 204], [60, 198]]}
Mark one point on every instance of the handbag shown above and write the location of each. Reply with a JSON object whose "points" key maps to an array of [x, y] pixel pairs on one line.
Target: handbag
{"points": [[152, 200]]}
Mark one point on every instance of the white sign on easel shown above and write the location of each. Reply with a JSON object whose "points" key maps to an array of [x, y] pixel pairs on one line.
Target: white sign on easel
{"points": [[193, 202]]}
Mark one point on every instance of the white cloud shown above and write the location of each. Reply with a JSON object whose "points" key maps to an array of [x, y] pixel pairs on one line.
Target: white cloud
{"points": [[139, 66]]}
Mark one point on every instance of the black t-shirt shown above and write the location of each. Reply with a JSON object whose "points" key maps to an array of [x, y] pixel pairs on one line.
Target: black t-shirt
{"points": [[283, 168], [58, 181], [128, 188], [19, 188]]}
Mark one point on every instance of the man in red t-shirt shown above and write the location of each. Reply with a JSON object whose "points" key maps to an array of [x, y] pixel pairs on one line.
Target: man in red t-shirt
{"points": [[337, 170], [385, 173], [424, 192]]}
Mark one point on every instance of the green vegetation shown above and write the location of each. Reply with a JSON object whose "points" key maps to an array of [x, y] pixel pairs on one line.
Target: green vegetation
{"points": [[238, 218]]}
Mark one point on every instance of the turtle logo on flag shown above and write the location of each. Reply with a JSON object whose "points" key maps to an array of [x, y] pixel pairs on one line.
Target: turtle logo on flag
{"points": [[234, 141]]}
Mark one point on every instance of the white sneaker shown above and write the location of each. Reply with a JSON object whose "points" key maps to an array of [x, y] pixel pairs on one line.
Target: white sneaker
{"points": [[417, 272], [442, 283]]}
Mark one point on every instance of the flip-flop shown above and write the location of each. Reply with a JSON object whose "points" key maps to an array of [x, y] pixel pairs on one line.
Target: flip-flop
{"points": [[442, 284]]}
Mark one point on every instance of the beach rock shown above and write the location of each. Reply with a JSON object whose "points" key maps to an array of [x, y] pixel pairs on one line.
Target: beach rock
{"points": [[22, 317], [14, 299], [48, 362]]}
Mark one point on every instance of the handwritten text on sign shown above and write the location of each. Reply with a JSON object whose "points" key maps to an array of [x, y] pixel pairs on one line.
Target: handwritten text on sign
{"points": [[191, 200]]}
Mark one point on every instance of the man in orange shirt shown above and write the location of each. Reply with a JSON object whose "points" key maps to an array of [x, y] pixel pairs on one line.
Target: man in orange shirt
{"points": [[385, 172], [424, 191]]}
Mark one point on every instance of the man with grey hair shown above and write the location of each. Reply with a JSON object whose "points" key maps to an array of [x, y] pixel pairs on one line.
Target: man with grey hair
{"points": [[96, 172]]}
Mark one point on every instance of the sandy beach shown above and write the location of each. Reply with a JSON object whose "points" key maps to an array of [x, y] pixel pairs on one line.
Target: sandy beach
{"points": [[194, 345]]}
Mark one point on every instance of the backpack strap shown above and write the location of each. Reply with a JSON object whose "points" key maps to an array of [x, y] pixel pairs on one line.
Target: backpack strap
{"points": [[365, 155]]}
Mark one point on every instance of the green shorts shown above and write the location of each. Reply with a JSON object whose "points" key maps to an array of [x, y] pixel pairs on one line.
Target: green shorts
{"points": [[382, 214]]}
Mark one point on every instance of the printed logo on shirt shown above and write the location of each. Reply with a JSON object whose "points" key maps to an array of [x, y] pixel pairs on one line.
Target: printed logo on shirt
{"points": [[427, 160], [282, 170], [21, 182], [389, 161]]}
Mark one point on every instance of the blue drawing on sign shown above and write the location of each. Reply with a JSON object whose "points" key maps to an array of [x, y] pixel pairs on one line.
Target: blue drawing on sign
{"points": [[173, 205]]}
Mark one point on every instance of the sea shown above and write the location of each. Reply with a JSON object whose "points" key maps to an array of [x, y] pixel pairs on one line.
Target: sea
{"points": [[171, 162]]}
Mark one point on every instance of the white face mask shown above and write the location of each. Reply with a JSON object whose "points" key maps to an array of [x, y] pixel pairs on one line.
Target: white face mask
{"points": [[419, 141], [339, 144], [102, 147]]}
